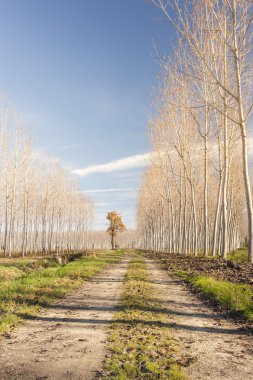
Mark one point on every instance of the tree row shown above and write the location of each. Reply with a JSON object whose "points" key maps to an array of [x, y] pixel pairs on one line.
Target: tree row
{"points": [[42, 209], [196, 193]]}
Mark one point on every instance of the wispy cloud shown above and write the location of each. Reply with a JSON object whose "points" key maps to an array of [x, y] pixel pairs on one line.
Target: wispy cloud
{"points": [[135, 161], [107, 190]]}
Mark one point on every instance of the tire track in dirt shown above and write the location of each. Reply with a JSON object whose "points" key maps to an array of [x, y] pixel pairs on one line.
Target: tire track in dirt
{"points": [[67, 340], [211, 346]]}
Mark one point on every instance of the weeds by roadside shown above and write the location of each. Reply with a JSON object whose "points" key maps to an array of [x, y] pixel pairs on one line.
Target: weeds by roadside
{"points": [[236, 298], [14, 268], [238, 255]]}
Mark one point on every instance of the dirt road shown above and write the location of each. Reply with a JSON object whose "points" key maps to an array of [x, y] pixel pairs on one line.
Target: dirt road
{"points": [[67, 340], [212, 347]]}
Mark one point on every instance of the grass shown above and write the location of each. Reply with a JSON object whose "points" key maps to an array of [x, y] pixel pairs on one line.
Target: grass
{"points": [[236, 298], [10, 273], [237, 255], [140, 344], [22, 267], [23, 294], [240, 254]]}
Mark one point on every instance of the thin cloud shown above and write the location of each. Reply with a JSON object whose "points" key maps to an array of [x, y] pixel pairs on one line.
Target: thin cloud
{"points": [[135, 161]]}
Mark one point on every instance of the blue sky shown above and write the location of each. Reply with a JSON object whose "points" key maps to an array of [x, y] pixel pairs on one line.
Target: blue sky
{"points": [[82, 72]]}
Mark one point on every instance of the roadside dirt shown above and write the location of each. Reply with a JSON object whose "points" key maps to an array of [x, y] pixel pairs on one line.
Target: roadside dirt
{"points": [[66, 340], [211, 346]]}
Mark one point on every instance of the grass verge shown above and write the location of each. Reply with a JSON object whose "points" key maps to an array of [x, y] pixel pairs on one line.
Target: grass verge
{"points": [[238, 255], [24, 294], [236, 298], [140, 344], [14, 268]]}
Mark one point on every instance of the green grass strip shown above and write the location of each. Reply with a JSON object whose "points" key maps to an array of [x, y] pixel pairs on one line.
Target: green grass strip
{"points": [[237, 298], [24, 296], [140, 344], [238, 255]]}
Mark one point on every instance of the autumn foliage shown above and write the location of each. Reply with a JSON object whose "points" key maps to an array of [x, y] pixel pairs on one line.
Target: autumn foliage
{"points": [[115, 225]]}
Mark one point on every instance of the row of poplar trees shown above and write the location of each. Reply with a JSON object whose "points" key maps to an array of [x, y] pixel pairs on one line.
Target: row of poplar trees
{"points": [[41, 207], [196, 194]]}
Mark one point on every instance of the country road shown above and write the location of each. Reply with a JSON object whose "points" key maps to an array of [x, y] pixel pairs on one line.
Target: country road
{"points": [[67, 340]]}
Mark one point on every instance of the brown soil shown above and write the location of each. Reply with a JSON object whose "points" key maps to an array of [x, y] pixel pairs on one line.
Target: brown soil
{"points": [[210, 346], [220, 269], [67, 340]]}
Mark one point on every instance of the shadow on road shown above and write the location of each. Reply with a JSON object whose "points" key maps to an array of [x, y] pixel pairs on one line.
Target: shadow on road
{"points": [[212, 330]]}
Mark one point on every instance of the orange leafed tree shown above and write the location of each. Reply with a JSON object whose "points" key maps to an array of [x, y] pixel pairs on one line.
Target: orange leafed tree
{"points": [[115, 225]]}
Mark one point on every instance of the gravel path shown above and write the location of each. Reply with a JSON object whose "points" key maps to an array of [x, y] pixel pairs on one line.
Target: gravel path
{"points": [[66, 340], [211, 346]]}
